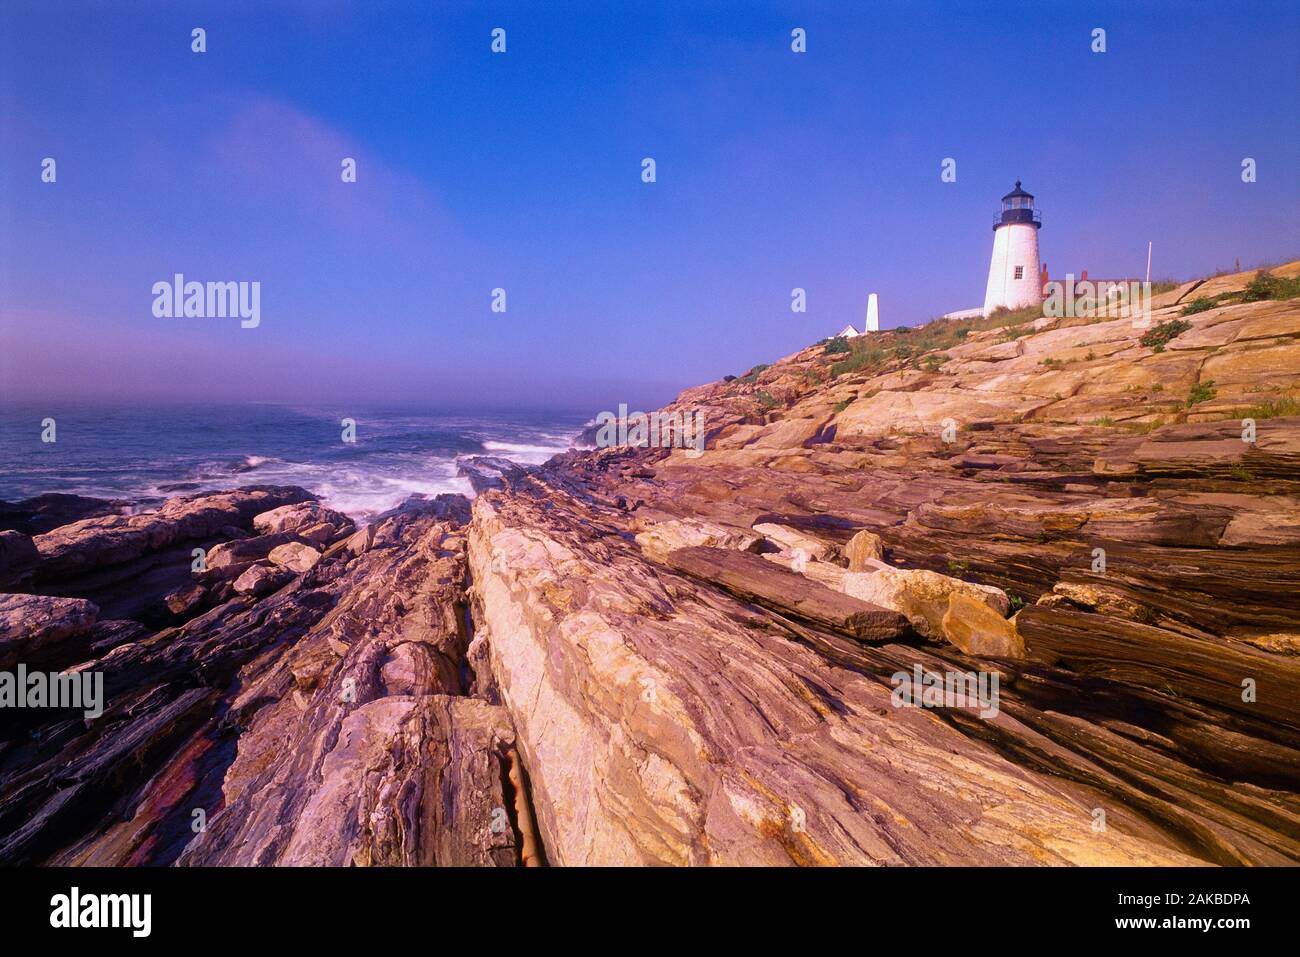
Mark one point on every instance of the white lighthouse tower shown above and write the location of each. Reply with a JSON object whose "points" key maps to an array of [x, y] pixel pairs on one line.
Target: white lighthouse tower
{"points": [[1014, 282]]}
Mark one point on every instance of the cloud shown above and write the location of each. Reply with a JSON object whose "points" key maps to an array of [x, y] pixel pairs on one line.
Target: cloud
{"points": [[268, 151]]}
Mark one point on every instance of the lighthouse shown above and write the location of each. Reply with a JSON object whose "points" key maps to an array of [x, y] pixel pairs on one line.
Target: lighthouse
{"points": [[1014, 282]]}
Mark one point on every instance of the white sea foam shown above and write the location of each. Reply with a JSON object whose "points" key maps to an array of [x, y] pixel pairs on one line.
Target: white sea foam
{"points": [[397, 456], [523, 453]]}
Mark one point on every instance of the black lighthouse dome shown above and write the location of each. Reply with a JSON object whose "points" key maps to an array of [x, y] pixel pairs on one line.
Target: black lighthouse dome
{"points": [[1018, 207]]}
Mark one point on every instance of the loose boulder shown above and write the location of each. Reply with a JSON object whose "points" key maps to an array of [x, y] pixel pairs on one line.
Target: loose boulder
{"points": [[262, 580], [978, 630], [664, 537], [185, 600], [295, 556], [228, 559], [310, 521], [920, 595], [793, 540], [31, 625], [863, 547]]}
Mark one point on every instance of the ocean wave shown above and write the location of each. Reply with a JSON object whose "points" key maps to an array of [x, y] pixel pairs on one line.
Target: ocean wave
{"points": [[148, 456], [525, 453], [250, 462], [363, 500]]}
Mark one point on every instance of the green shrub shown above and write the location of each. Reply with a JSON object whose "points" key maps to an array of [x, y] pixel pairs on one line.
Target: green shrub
{"points": [[1158, 337], [1200, 304], [767, 400], [752, 374], [1201, 392], [841, 406], [836, 345], [1267, 286]]}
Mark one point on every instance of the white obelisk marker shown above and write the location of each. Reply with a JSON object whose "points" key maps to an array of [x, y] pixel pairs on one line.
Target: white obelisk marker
{"points": [[873, 314]]}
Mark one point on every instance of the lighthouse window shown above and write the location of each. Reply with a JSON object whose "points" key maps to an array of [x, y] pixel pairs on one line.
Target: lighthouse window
{"points": [[1020, 272]]}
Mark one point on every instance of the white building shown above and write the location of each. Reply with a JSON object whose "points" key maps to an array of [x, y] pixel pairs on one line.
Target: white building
{"points": [[873, 321], [1014, 280]]}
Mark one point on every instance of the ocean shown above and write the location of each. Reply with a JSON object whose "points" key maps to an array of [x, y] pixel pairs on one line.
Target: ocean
{"points": [[146, 455]]}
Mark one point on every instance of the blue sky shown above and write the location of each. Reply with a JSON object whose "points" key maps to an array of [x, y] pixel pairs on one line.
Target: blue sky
{"points": [[522, 171]]}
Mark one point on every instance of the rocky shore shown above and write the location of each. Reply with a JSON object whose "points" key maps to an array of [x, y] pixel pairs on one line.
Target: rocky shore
{"points": [[640, 656]]}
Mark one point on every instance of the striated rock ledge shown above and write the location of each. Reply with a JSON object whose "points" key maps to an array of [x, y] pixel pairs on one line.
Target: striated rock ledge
{"points": [[324, 722], [633, 656], [667, 724]]}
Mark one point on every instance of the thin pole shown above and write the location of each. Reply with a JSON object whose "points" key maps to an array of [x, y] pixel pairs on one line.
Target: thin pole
{"points": [[1148, 260]]}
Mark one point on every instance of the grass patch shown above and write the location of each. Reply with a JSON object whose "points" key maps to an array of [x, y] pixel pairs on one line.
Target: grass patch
{"points": [[767, 400], [1272, 408], [1144, 428], [1263, 286], [752, 375], [841, 406], [874, 351], [861, 358]]}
